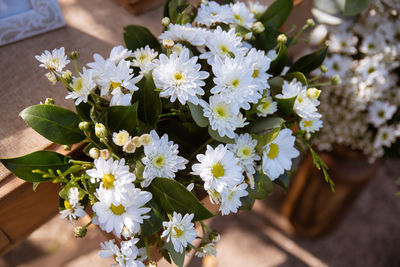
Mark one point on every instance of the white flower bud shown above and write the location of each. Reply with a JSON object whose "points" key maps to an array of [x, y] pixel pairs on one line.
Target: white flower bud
{"points": [[121, 138], [105, 154], [136, 141], [335, 80], [167, 43], [310, 22], [100, 130], [145, 139], [49, 101], [129, 147], [51, 77], [67, 75], [165, 21], [313, 93], [282, 38], [66, 147], [94, 153], [84, 125], [323, 68], [258, 27]]}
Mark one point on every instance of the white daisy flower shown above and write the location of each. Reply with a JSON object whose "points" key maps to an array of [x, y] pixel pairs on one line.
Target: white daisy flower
{"points": [[82, 86], [119, 98], [113, 175], [371, 44], [56, 60], [245, 151], [242, 15], [119, 53], [277, 155], [311, 125], [128, 256], [223, 44], [292, 89], [206, 250], [343, 42], [179, 77], [338, 64], [73, 209], [259, 63], [386, 136], [379, 112], [257, 9], [113, 215], [230, 198], [372, 70], [73, 196], [144, 58], [212, 12], [223, 117], [318, 35], [180, 231], [234, 82], [218, 168], [121, 138], [266, 106], [161, 159], [193, 35]]}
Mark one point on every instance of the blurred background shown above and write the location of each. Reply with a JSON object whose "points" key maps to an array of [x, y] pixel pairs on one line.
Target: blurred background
{"points": [[369, 234]]}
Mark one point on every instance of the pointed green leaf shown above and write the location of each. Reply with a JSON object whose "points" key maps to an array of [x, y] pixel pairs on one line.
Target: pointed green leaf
{"points": [[83, 110], [247, 203], [197, 115], [57, 124], [215, 135], [263, 186], [354, 7], [149, 100], [136, 36], [310, 62], [123, 118], [263, 125], [298, 76], [277, 13], [280, 61], [266, 40], [178, 258], [285, 105], [23, 166], [173, 196], [154, 223]]}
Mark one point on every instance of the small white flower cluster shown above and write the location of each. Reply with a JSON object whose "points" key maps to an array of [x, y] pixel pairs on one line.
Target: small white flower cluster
{"points": [[126, 256], [360, 112], [73, 209], [129, 143]]}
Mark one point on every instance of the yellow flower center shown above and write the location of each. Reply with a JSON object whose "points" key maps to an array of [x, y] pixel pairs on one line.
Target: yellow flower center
{"points": [[117, 210], [273, 151], [255, 74], [221, 112], [246, 151], [77, 85], [178, 231], [265, 105], [307, 123], [224, 49], [381, 114], [299, 99], [384, 136], [235, 82], [238, 17], [67, 205], [178, 76], [159, 161], [114, 85], [217, 170], [230, 195], [108, 181]]}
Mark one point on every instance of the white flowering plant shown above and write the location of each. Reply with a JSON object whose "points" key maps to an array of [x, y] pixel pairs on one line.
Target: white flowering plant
{"points": [[212, 106], [363, 112]]}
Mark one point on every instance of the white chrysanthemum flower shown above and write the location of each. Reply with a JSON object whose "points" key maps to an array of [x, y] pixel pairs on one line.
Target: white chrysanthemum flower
{"points": [[343, 42], [311, 125], [121, 138], [244, 149], [119, 53], [266, 106], [113, 215], [144, 58], [318, 34], [98, 67], [234, 82], [56, 60], [206, 250], [212, 12], [223, 44], [278, 154], [119, 98], [259, 63], [179, 77], [380, 112], [113, 175], [338, 64], [180, 231], [128, 256], [292, 89], [161, 159], [386, 136], [223, 117], [193, 35], [257, 9], [242, 15], [371, 44], [230, 198], [218, 168], [82, 86], [372, 70], [73, 209]]}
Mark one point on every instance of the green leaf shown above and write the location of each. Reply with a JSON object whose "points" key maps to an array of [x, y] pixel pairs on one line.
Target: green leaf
{"points": [[263, 186], [179, 11], [123, 118], [285, 105], [57, 124], [197, 115], [178, 258], [263, 125], [354, 7], [282, 181], [266, 40], [215, 135], [280, 61], [154, 223], [310, 62], [298, 76], [149, 100], [264, 139], [39, 160], [83, 110], [277, 13], [173, 196], [247, 203], [136, 36]]}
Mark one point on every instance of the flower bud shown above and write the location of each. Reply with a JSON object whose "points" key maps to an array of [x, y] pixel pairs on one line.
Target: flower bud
{"points": [[248, 36], [121, 138], [74, 55], [145, 139], [335, 80], [168, 43], [66, 147], [136, 141], [67, 75], [129, 147], [84, 125], [310, 23], [258, 27], [282, 38], [214, 236], [126, 233], [105, 154], [51, 77], [165, 21], [80, 231], [100, 130], [94, 153], [49, 101], [323, 68], [152, 264], [313, 93]]}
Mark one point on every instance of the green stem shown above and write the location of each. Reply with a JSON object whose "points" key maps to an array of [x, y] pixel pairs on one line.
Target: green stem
{"points": [[320, 84], [79, 162], [76, 67], [294, 40], [146, 243], [200, 148]]}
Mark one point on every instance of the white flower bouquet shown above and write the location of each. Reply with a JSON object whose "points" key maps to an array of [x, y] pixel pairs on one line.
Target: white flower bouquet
{"points": [[363, 112], [213, 109]]}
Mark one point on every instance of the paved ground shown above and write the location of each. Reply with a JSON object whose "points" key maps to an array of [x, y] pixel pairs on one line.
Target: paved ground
{"points": [[369, 236]]}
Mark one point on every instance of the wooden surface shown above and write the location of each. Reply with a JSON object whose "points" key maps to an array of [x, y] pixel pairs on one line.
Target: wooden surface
{"points": [[138, 7]]}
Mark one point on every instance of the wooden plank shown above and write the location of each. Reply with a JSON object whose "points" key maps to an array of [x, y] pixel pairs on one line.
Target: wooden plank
{"points": [[4, 241], [138, 7]]}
